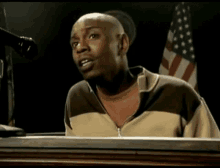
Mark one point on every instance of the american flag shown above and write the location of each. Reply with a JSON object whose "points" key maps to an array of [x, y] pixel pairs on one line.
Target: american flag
{"points": [[178, 58]]}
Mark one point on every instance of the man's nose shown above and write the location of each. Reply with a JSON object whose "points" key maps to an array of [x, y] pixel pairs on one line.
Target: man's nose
{"points": [[82, 47]]}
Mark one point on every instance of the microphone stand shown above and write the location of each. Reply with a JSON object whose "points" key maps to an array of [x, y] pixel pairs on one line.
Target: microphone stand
{"points": [[24, 47], [1, 69], [3, 86]]}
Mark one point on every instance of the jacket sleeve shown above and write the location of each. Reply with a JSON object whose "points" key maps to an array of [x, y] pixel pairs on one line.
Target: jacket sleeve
{"points": [[68, 128], [68, 131], [202, 124]]}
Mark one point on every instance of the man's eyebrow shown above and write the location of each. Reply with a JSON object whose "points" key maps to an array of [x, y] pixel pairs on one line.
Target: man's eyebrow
{"points": [[87, 29]]}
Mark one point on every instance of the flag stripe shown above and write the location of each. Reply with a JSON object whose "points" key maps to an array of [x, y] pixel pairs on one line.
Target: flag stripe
{"points": [[181, 68], [165, 63], [169, 45], [169, 55], [170, 36], [193, 80], [175, 65], [163, 70], [188, 72]]}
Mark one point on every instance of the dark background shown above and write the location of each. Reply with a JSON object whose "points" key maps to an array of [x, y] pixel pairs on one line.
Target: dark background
{"points": [[41, 86]]}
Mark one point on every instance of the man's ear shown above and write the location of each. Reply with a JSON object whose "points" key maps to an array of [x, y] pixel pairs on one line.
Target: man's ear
{"points": [[123, 44]]}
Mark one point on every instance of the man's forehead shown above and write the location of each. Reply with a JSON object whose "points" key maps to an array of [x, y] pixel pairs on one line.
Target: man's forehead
{"points": [[94, 16], [95, 20], [90, 22], [97, 17]]}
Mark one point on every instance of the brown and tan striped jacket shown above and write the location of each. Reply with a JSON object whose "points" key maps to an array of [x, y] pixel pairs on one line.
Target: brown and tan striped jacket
{"points": [[169, 107]]}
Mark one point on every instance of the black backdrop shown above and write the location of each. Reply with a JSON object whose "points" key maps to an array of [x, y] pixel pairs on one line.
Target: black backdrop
{"points": [[41, 87]]}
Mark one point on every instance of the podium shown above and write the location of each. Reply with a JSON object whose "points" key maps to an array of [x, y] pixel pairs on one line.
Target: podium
{"points": [[70, 151]]}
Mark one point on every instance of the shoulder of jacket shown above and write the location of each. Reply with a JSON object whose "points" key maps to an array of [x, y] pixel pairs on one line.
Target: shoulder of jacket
{"points": [[174, 81], [176, 84], [79, 86]]}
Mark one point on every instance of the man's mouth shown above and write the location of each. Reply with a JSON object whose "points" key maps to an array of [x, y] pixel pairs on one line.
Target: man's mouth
{"points": [[86, 64]]}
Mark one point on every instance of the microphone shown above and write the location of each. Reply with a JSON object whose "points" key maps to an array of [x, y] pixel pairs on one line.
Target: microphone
{"points": [[25, 46]]}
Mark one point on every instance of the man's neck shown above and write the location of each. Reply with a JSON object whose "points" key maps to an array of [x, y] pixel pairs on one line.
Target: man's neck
{"points": [[119, 84]]}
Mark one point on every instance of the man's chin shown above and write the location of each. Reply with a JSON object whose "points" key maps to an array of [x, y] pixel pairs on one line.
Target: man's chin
{"points": [[91, 76]]}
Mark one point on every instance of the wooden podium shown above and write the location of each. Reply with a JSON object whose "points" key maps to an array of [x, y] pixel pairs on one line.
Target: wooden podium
{"points": [[68, 151]]}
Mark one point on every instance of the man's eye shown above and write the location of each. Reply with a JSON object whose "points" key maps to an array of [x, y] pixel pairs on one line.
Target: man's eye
{"points": [[92, 36], [74, 44]]}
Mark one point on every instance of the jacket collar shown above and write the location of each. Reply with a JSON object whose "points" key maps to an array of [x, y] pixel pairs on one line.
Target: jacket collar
{"points": [[146, 80]]}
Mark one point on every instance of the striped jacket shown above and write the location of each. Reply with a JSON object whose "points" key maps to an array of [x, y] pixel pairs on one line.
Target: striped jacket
{"points": [[169, 107]]}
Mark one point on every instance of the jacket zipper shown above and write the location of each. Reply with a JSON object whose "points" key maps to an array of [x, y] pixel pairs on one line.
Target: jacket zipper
{"points": [[117, 128], [119, 132], [131, 115]]}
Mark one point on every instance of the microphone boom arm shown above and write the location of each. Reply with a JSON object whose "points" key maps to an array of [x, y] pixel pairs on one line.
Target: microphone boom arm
{"points": [[24, 46]]}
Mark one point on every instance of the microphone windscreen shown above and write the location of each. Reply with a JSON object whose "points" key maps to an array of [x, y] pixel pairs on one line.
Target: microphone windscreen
{"points": [[27, 48]]}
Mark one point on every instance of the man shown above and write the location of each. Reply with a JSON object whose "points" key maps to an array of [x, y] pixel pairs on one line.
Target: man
{"points": [[115, 100]]}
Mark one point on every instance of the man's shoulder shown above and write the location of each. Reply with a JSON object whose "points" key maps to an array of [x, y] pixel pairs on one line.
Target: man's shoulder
{"points": [[167, 80], [171, 83], [160, 81], [78, 85], [81, 86]]}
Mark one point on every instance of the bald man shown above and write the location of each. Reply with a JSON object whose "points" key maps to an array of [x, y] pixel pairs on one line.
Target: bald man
{"points": [[115, 100]]}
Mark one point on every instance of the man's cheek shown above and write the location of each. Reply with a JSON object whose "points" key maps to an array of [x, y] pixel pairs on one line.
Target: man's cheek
{"points": [[98, 47], [74, 60]]}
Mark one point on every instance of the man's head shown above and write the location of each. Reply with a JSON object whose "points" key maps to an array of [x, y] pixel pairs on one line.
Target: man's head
{"points": [[100, 40], [126, 21]]}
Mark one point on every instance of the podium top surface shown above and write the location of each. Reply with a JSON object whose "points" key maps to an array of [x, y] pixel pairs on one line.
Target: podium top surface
{"points": [[119, 143]]}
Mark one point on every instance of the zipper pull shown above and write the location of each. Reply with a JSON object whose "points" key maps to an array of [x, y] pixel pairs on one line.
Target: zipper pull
{"points": [[119, 132]]}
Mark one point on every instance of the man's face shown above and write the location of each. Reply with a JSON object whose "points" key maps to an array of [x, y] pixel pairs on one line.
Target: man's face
{"points": [[95, 47]]}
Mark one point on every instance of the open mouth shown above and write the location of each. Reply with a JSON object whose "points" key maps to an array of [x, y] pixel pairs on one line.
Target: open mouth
{"points": [[86, 64]]}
